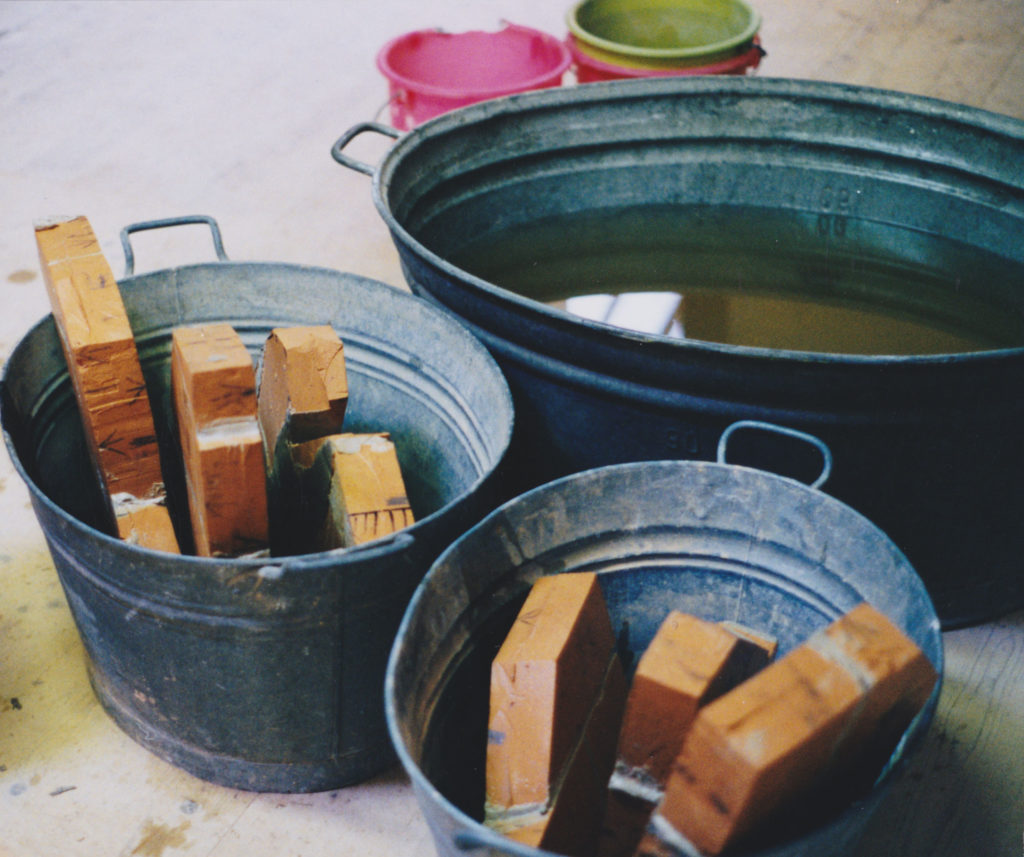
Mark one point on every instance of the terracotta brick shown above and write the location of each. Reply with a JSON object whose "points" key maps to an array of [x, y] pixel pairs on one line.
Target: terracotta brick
{"points": [[147, 525], [897, 673], [796, 723], [557, 692], [303, 393], [688, 663], [352, 490], [106, 374], [303, 388], [214, 384], [571, 823]]}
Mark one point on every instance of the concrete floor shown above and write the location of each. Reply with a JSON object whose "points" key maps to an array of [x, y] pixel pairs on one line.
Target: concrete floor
{"points": [[130, 111]]}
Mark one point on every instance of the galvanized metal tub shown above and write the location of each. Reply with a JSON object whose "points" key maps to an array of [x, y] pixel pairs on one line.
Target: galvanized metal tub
{"points": [[717, 540], [261, 674], [925, 446]]}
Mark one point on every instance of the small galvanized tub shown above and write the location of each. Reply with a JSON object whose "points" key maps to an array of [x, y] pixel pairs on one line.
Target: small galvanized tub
{"points": [[716, 540], [261, 674]]}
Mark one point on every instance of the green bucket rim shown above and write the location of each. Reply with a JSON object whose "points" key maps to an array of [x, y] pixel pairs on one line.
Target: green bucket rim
{"points": [[623, 48]]}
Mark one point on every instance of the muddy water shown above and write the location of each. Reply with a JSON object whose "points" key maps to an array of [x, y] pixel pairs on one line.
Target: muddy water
{"points": [[762, 277]]}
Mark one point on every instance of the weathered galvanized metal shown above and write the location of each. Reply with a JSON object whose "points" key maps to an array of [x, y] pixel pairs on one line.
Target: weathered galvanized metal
{"points": [[261, 674], [926, 446], [716, 540]]}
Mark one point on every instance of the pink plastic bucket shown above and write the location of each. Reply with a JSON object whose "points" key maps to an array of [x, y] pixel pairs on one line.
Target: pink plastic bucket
{"points": [[591, 70], [431, 72]]}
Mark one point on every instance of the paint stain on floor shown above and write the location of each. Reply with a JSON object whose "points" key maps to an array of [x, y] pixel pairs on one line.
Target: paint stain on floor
{"points": [[158, 837]]}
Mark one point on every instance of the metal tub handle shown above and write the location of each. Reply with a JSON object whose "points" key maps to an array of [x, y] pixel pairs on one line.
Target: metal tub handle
{"points": [[350, 135], [185, 220], [820, 445]]}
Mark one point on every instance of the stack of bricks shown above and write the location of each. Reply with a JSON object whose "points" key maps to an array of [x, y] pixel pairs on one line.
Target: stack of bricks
{"points": [[328, 488], [271, 470], [264, 472], [799, 723], [716, 741]]}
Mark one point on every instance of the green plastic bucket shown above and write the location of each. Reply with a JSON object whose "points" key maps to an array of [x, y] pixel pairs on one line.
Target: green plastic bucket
{"points": [[660, 33]]}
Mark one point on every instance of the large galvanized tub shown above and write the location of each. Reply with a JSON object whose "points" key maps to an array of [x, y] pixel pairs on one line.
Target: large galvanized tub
{"points": [[261, 674], [886, 199], [715, 540]]}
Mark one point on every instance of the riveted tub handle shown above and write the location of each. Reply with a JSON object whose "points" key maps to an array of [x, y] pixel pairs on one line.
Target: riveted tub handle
{"points": [[185, 220], [350, 135], [820, 445]]}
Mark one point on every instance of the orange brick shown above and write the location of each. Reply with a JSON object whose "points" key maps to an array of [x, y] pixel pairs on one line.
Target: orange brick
{"points": [[106, 374], [557, 692], [764, 744], [303, 385], [571, 822], [213, 380], [352, 489], [898, 675], [688, 663], [303, 394], [147, 525]]}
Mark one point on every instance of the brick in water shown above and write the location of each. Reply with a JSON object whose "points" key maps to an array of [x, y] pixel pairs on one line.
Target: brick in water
{"points": [[688, 663], [557, 692], [214, 384], [106, 374], [799, 723], [570, 823]]}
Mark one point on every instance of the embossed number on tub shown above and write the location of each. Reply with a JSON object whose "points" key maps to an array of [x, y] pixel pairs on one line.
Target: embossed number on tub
{"points": [[835, 204], [833, 225], [683, 441]]}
